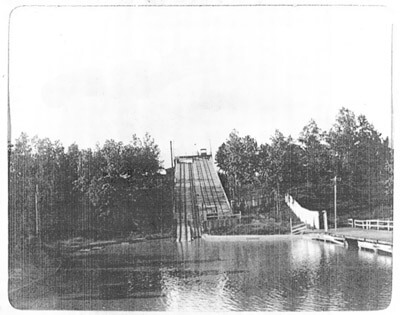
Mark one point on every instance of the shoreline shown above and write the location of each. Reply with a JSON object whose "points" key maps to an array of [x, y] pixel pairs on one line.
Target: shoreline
{"points": [[246, 238]]}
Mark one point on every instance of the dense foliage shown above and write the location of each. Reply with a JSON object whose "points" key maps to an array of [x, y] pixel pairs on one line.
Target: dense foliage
{"points": [[352, 150], [112, 190], [117, 188]]}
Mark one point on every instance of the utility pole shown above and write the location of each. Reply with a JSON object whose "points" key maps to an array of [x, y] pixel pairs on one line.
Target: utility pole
{"points": [[334, 199], [278, 204], [172, 159], [9, 139], [37, 211], [391, 99]]}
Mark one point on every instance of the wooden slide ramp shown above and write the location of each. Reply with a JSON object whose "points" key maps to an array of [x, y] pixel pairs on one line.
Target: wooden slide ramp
{"points": [[200, 201]]}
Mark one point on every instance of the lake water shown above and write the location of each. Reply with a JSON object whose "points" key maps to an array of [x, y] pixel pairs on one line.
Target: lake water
{"points": [[280, 274]]}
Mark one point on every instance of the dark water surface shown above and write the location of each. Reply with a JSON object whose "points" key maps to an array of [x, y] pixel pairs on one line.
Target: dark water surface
{"points": [[284, 273]]}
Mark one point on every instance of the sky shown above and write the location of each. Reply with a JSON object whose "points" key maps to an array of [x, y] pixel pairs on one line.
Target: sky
{"points": [[192, 75]]}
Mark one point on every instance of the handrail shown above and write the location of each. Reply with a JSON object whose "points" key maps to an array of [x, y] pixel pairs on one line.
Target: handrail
{"points": [[296, 229], [372, 224], [299, 225]]}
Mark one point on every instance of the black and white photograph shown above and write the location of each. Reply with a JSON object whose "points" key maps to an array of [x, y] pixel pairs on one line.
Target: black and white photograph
{"points": [[207, 156]]}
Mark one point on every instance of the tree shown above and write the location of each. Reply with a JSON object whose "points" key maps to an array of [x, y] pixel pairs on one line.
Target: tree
{"points": [[353, 150], [21, 193], [359, 156], [117, 187], [113, 188], [238, 159], [316, 169]]}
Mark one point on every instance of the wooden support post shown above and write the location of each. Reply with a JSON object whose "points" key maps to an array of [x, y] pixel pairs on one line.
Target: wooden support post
{"points": [[178, 233], [325, 217]]}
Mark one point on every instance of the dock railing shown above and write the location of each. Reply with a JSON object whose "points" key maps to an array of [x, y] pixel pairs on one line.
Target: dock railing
{"points": [[372, 224]]}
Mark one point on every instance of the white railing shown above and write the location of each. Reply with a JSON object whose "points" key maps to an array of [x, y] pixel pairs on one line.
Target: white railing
{"points": [[299, 228], [372, 224]]}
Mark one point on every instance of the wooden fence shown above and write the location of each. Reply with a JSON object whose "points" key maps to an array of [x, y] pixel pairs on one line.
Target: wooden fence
{"points": [[372, 224], [298, 228], [215, 222]]}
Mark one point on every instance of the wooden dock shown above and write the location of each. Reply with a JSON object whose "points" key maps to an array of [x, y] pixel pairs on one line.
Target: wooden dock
{"points": [[357, 233], [374, 240]]}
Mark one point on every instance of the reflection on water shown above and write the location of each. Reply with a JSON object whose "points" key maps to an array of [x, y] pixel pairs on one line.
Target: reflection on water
{"points": [[282, 274]]}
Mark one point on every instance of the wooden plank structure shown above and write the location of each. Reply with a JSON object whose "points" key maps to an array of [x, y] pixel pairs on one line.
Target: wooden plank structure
{"points": [[200, 202], [373, 240]]}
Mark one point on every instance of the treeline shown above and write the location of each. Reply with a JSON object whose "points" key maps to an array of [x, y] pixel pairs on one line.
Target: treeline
{"points": [[112, 190], [352, 150]]}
